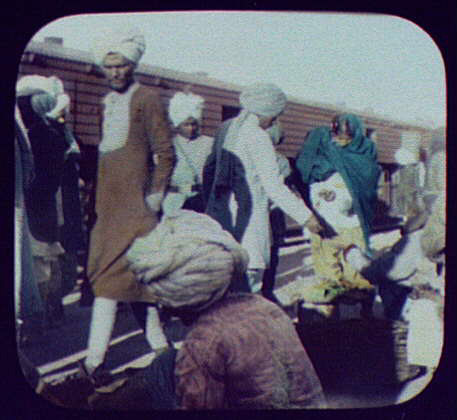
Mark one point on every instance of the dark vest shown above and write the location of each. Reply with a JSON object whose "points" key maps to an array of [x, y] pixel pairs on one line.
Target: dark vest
{"points": [[223, 174]]}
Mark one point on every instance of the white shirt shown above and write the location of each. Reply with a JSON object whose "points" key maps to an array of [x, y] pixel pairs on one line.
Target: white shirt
{"points": [[116, 119], [191, 158]]}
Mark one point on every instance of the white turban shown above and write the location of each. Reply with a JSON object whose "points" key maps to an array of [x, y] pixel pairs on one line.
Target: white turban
{"points": [[48, 97], [183, 106], [404, 156], [129, 43], [187, 261], [264, 99], [29, 85], [409, 150]]}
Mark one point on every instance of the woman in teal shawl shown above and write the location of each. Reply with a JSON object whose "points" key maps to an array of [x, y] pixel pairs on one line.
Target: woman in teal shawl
{"points": [[346, 151], [356, 162]]}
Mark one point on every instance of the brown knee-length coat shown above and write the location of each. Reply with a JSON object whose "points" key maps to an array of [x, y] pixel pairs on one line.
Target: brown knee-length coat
{"points": [[123, 181]]}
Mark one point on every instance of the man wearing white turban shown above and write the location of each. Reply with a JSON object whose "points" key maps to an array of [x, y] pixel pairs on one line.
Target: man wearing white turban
{"points": [[128, 42], [192, 150], [247, 176], [135, 133]]}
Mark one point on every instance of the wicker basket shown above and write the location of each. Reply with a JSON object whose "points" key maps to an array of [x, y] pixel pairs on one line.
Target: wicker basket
{"points": [[357, 351]]}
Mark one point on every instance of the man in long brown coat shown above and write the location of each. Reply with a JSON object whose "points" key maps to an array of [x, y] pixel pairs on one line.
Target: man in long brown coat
{"points": [[128, 196]]}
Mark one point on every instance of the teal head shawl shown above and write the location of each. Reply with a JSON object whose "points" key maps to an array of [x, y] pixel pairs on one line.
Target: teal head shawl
{"points": [[42, 103], [320, 157]]}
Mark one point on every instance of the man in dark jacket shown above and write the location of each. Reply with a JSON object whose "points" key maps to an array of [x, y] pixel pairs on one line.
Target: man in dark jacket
{"points": [[40, 102]]}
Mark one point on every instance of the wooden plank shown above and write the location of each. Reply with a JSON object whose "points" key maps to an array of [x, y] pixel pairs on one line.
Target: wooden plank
{"points": [[212, 115], [168, 83], [62, 74], [301, 111], [84, 86], [91, 109], [208, 131], [70, 73], [87, 129], [213, 107], [63, 64], [88, 119], [210, 94], [87, 90], [213, 92], [88, 138], [296, 130], [25, 69], [88, 99], [70, 119]]}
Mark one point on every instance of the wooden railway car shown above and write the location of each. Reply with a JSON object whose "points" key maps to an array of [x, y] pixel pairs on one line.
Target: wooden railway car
{"points": [[86, 86]]}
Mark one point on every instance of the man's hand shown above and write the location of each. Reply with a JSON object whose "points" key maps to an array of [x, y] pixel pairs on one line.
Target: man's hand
{"points": [[154, 201], [341, 140], [313, 225]]}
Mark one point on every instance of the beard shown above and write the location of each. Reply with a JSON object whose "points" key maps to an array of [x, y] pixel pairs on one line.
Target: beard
{"points": [[120, 85]]}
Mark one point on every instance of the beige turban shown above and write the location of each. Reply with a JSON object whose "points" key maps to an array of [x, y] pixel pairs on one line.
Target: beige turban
{"points": [[129, 43], [183, 106], [187, 261], [264, 99]]}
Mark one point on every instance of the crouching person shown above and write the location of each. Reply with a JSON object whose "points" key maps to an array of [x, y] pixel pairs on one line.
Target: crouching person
{"points": [[241, 351], [415, 266]]}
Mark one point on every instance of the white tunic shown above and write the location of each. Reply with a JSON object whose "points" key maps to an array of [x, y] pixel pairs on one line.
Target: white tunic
{"points": [[253, 146], [116, 119], [192, 155], [191, 158]]}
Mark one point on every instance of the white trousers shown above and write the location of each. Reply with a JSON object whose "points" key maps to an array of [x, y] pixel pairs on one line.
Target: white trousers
{"points": [[101, 328]]}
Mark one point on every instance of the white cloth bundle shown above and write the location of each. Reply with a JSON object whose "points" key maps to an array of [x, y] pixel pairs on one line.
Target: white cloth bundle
{"points": [[183, 106], [187, 260], [338, 210], [425, 332], [29, 85]]}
